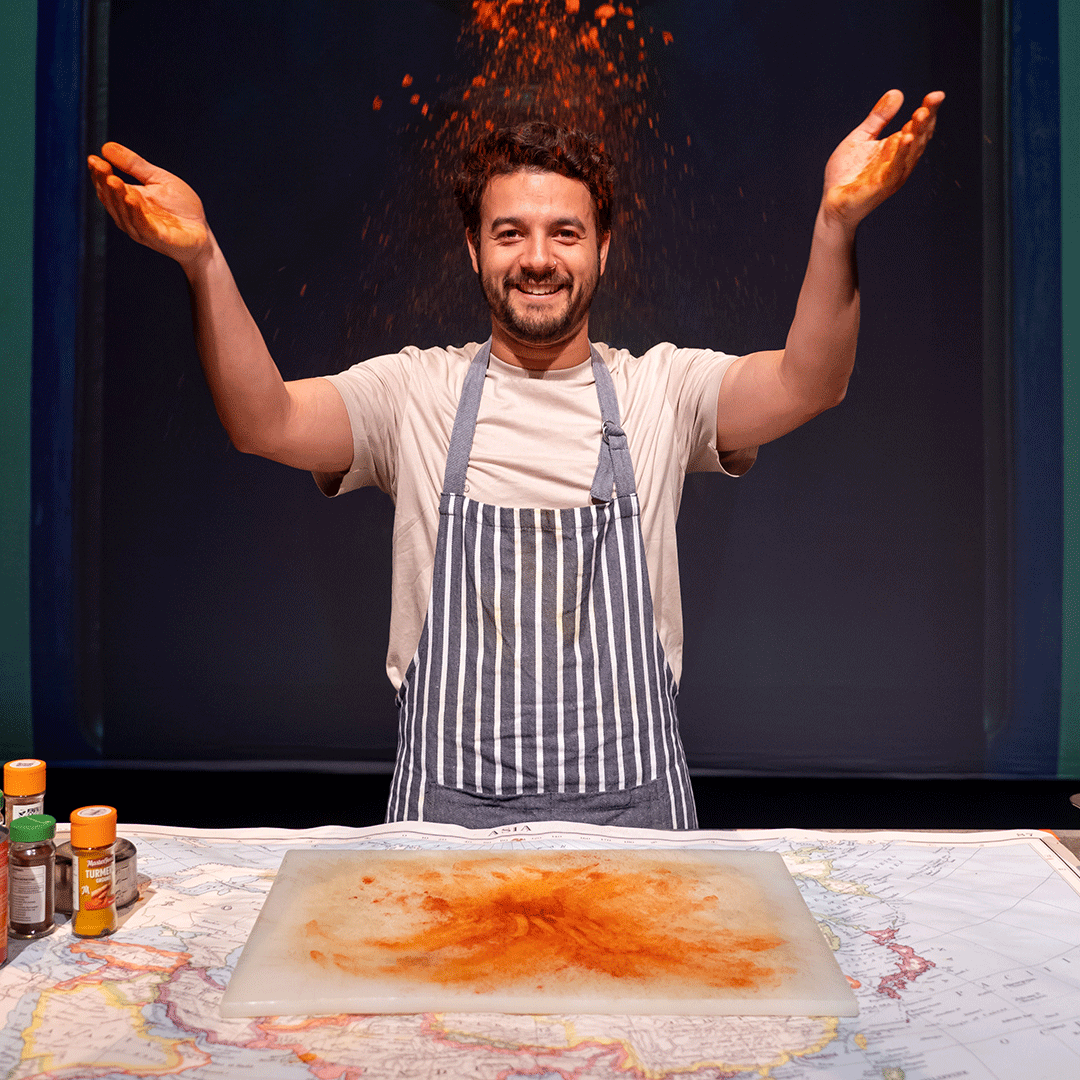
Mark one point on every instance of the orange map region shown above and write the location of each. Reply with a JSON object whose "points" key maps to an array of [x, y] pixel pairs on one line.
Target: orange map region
{"points": [[910, 965]]}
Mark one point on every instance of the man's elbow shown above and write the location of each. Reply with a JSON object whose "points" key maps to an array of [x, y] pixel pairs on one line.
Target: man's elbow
{"points": [[813, 391], [811, 405], [254, 440], [836, 395], [829, 394]]}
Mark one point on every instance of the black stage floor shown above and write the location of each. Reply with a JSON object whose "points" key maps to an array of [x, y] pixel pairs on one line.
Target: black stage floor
{"points": [[215, 799]]}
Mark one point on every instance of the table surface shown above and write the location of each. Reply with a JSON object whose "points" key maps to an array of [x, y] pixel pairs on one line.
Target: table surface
{"points": [[1070, 838], [963, 950]]}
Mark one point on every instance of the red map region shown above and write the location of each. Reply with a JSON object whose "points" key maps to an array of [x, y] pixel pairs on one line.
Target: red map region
{"points": [[910, 966]]}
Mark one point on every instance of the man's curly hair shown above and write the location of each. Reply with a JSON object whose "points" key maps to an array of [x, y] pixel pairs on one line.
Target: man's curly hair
{"points": [[535, 146]]}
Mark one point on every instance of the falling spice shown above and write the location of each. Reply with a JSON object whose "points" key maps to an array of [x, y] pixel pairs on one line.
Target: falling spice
{"points": [[593, 67]]}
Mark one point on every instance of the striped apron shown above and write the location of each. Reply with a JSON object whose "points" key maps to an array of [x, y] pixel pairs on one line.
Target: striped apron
{"points": [[539, 689]]}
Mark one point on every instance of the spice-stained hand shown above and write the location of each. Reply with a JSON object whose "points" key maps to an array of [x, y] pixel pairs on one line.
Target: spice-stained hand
{"points": [[865, 170], [160, 211]]}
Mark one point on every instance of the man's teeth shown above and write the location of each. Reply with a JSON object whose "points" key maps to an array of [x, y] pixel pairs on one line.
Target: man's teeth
{"points": [[539, 290]]}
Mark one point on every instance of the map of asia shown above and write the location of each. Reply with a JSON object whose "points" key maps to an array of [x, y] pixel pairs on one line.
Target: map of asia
{"points": [[963, 951]]}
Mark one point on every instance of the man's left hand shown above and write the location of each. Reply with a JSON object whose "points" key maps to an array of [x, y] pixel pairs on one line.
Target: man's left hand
{"points": [[865, 170]]}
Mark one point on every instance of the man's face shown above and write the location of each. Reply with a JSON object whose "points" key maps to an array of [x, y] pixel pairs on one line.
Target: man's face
{"points": [[538, 255]]}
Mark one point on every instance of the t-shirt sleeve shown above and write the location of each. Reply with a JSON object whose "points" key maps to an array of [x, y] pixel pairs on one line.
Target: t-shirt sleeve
{"points": [[694, 384], [374, 393]]}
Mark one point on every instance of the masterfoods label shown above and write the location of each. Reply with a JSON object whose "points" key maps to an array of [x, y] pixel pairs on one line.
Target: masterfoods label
{"points": [[93, 881]]}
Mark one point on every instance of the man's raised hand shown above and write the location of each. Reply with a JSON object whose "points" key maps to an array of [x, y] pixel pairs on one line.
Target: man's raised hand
{"points": [[865, 170], [160, 211]]}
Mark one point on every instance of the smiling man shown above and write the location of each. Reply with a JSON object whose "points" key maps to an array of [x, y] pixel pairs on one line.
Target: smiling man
{"points": [[539, 242], [536, 628]]}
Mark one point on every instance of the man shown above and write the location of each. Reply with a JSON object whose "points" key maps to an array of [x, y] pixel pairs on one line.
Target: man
{"points": [[536, 637]]}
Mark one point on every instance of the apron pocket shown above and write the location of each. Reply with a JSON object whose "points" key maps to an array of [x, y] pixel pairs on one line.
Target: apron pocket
{"points": [[644, 807]]}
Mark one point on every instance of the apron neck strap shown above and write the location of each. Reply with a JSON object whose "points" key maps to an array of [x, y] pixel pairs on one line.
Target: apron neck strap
{"points": [[614, 467], [461, 438]]}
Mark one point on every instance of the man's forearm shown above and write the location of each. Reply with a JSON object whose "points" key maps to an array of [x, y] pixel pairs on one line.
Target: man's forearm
{"points": [[766, 394], [820, 351], [302, 423], [248, 390]]}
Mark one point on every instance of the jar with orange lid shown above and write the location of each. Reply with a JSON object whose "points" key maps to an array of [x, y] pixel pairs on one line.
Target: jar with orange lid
{"points": [[24, 788], [93, 871]]}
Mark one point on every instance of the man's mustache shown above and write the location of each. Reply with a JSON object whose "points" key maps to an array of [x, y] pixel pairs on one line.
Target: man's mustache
{"points": [[551, 277]]}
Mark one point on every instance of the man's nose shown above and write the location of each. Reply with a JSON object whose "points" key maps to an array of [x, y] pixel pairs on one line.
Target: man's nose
{"points": [[537, 256]]}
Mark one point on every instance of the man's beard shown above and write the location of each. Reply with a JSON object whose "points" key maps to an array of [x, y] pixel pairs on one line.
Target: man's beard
{"points": [[540, 327]]}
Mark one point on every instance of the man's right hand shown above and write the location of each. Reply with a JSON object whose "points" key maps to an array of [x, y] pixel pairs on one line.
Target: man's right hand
{"points": [[160, 211], [303, 423]]}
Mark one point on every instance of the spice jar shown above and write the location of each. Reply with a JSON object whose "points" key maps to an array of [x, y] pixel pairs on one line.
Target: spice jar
{"points": [[127, 875], [3, 891], [31, 875], [93, 871], [24, 788]]}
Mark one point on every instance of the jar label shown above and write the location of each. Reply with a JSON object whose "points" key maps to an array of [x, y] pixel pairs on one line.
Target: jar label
{"points": [[35, 806], [3, 891], [93, 882], [28, 885]]}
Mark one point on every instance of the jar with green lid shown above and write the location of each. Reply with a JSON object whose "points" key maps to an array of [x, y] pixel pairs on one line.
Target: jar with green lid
{"points": [[31, 875]]}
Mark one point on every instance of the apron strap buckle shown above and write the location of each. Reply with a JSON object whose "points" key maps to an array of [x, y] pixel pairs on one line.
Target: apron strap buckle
{"points": [[611, 430], [608, 467]]}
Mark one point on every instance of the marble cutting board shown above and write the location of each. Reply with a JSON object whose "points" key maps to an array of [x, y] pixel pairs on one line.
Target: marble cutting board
{"points": [[636, 931]]}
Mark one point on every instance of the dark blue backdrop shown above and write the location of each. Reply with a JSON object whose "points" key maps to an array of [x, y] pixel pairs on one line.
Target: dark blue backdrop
{"points": [[834, 598]]}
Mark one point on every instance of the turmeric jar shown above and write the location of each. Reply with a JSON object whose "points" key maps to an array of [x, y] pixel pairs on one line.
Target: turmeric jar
{"points": [[93, 871]]}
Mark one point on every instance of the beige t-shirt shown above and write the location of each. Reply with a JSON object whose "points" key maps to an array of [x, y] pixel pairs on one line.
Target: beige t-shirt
{"points": [[537, 443]]}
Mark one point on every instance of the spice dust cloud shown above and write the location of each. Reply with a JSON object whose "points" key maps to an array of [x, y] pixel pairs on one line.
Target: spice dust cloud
{"points": [[591, 67]]}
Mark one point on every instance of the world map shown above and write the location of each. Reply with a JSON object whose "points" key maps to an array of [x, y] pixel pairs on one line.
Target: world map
{"points": [[963, 951]]}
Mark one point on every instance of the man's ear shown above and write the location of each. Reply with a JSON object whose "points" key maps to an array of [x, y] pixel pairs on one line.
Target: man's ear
{"points": [[605, 240], [470, 239]]}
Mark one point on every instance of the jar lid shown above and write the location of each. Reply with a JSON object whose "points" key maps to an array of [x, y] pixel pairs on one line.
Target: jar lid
{"points": [[26, 776], [33, 828], [93, 826]]}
